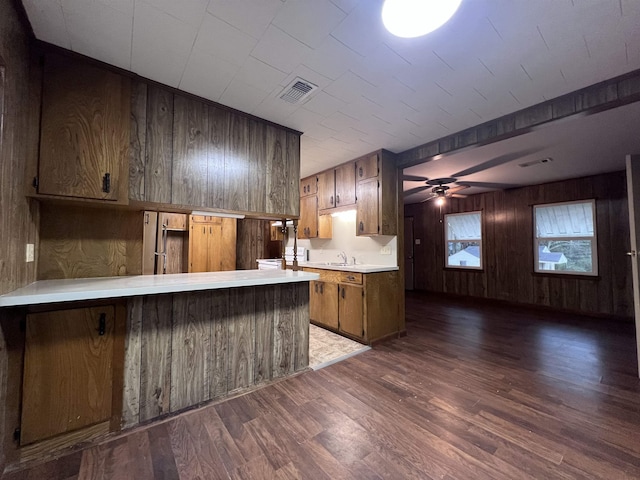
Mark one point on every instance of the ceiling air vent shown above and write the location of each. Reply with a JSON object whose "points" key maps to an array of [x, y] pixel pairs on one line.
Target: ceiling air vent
{"points": [[297, 91], [536, 162]]}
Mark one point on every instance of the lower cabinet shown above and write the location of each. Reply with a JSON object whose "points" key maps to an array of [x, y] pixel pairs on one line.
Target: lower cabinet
{"points": [[71, 371], [364, 307]]}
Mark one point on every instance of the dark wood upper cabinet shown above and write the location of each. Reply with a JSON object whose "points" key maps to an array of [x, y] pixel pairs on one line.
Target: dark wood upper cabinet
{"points": [[84, 137]]}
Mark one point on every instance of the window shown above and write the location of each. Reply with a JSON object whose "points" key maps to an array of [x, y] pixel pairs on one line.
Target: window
{"points": [[565, 238], [463, 232]]}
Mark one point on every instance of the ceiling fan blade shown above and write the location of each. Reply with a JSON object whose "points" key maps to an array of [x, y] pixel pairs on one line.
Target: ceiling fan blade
{"points": [[494, 162], [413, 191], [430, 197], [413, 178], [496, 186], [457, 195], [457, 188]]}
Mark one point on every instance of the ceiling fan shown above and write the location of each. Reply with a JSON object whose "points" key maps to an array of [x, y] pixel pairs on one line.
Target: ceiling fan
{"points": [[439, 187]]}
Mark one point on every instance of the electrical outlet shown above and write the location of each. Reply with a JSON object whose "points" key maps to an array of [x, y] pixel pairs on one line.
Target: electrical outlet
{"points": [[30, 254], [417, 241], [386, 250]]}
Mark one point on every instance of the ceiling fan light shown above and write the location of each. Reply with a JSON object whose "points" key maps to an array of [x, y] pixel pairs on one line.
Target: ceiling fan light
{"points": [[414, 18], [440, 201]]}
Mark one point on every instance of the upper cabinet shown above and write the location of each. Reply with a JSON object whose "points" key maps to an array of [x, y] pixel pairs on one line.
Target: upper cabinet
{"points": [[309, 186], [377, 194], [84, 137], [337, 187], [192, 153]]}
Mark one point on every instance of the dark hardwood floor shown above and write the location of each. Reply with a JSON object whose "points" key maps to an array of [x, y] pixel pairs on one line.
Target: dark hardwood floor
{"points": [[474, 391]]}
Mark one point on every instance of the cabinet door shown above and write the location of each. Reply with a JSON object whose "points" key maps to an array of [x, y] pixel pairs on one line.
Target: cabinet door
{"points": [[351, 310], [198, 247], [309, 186], [227, 241], [367, 167], [367, 210], [68, 365], [326, 190], [308, 224], [173, 221], [215, 250], [84, 135], [324, 308], [345, 185]]}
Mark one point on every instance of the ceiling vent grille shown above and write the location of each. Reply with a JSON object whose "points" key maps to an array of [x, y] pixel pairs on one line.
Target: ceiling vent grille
{"points": [[297, 91]]}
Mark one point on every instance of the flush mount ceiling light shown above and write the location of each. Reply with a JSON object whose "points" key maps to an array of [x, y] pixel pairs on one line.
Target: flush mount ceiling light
{"points": [[414, 18]]}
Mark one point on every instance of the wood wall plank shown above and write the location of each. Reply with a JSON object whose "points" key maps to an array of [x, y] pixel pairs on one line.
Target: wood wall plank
{"points": [[241, 352], [219, 343], [292, 174], [265, 306], [257, 166], [159, 151], [191, 350], [236, 165], [190, 151], [155, 363], [132, 363], [301, 326], [138, 140], [218, 143], [276, 184], [283, 331], [508, 248]]}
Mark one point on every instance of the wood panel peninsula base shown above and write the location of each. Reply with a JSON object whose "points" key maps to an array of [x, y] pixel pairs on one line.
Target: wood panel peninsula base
{"points": [[154, 346]]}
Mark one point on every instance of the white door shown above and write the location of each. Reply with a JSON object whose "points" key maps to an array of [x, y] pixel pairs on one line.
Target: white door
{"points": [[633, 194]]}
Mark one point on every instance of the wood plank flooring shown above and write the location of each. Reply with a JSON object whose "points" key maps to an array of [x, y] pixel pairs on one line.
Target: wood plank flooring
{"points": [[474, 391]]}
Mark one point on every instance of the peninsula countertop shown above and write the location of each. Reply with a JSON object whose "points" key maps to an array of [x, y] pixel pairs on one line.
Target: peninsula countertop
{"points": [[68, 290]]}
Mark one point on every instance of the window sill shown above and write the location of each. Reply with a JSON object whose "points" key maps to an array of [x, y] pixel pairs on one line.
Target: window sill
{"points": [[463, 269], [565, 276]]}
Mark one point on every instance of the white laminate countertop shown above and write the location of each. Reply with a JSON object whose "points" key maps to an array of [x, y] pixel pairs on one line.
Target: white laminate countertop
{"points": [[53, 291], [359, 268]]}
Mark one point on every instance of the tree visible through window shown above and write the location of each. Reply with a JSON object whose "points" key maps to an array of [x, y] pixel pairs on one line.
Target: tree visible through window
{"points": [[565, 238], [463, 233]]}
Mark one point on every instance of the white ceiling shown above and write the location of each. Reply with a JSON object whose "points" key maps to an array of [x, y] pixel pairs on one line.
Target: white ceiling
{"points": [[375, 90]]}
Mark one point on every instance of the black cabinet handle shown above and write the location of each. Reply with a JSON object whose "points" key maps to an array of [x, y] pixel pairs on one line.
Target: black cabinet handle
{"points": [[360, 172], [106, 183], [337, 199], [342, 293], [361, 226], [322, 288], [316, 287], [102, 324], [331, 200]]}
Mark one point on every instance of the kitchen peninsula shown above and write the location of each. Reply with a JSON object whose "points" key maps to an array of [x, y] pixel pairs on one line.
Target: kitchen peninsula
{"points": [[111, 352]]}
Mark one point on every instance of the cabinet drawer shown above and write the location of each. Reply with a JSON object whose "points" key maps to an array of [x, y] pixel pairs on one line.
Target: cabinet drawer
{"points": [[351, 277]]}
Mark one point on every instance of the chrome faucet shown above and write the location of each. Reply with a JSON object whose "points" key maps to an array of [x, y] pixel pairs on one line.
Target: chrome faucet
{"points": [[343, 256]]}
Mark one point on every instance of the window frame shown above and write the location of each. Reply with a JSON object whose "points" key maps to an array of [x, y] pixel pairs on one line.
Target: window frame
{"points": [[593, 238], [447, 241]]}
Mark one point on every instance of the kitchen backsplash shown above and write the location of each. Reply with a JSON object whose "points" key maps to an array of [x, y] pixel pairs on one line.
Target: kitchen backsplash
{"points": [[366, 250]]}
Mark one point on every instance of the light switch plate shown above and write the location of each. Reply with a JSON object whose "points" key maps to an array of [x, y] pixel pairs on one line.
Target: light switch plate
{"points": [[386, 250], [417, 241], [30, 254]]}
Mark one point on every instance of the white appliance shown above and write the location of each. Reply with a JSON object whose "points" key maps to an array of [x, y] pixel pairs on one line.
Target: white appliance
{"points": [[276, 263]]}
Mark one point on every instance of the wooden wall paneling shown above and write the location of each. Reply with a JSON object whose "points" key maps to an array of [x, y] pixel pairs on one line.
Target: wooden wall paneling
{"points": [[251, 243], [191, 349], [159, 149], [220, 363], [283, 331], [77, 241], [190, 152], [241, 351], [258, 161], [508, 244], [149, 238], [292, 206], [155, 364], [218, 142], [301, 326], [266, 300], [276, 181], [132, 363], [138, 140], [236, 165]]}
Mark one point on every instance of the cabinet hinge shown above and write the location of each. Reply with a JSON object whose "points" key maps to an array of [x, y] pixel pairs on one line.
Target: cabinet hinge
{"points": [[363, 332], [378, 183], [36, 182], [378, 228], [106, 183], [16, 434]]}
